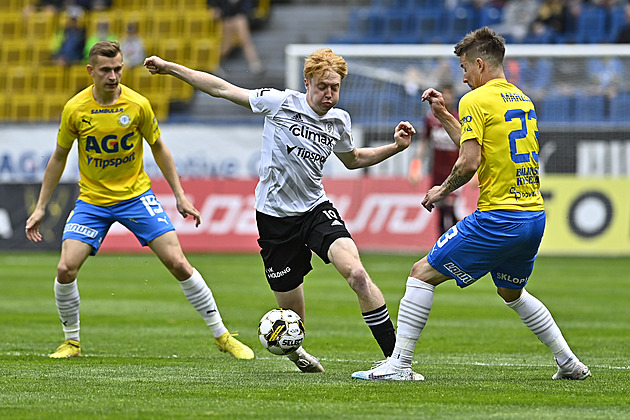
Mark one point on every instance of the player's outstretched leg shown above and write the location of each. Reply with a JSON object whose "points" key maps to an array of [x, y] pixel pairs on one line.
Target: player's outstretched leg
{"points": [[413, 313], [538, 319], [304, 361]]}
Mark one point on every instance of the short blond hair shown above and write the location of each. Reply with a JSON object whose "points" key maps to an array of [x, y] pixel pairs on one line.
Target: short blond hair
{"points": [[323, 60]]}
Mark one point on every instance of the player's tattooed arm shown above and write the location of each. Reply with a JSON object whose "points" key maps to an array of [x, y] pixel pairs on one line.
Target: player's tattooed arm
{"points": [[456, 179], [464, 169]]}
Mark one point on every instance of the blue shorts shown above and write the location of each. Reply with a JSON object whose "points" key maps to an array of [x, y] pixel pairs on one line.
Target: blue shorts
{"points": [[142, 215], [502, 243]]}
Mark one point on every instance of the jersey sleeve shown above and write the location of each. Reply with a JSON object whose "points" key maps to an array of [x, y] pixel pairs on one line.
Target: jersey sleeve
{"points": [[148, 127], [472, 119], [67, 133], [346, 142], [266, 101]]}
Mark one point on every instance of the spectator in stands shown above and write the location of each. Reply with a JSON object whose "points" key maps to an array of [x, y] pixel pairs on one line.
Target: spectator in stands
{"points": [[518, 15], [47, 6], [97, 5], [102, 33], [67, 44], [133, 47], [444, 153], [551, 19], [236, 31], [624, 36], [605, 75]]}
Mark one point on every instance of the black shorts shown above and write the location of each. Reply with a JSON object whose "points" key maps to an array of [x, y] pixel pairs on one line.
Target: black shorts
{"points": [[286, 243]]}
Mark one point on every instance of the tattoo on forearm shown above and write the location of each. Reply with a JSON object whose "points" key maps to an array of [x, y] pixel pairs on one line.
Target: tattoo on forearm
{"points": [[456, 179]]}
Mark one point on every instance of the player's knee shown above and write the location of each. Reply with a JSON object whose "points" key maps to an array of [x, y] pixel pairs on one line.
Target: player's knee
{"points": [[66, 273], [360, 281], [180, 267], [418, 269]]}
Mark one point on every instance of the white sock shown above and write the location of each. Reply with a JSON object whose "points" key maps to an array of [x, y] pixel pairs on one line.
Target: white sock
{"points": [[413, 314], [68, 301], [199, 295], [539, 320]]}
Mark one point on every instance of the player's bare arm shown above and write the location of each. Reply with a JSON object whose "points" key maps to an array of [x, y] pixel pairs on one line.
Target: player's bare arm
{"points": [[438, 108], [52, 175], [463, 171], [368, 156], [165, 162], [205, 82]]}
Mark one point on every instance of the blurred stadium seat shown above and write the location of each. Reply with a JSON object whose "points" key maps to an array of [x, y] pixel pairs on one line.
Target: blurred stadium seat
{"points": [[40, 25], [11, 26], [52, 106], [589, 108], [591, 25], [205, 54], [399, 28], [25, 107], [51, 80], [556, 108], [78, 78], [4, 116], [431, 26], [619, 107], [13, 52]]}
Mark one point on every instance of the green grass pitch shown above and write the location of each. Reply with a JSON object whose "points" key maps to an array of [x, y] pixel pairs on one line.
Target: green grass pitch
{"points": [[148, 354]]}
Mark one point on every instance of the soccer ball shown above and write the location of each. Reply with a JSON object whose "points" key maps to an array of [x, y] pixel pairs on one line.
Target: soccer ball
{"points": [[281, 331]]}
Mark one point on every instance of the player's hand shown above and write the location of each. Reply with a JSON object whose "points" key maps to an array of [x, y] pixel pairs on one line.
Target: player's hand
{"points": [[435, 100], [185, 208], [32, 226], [433, 196], [155, 65], [403, 133]]}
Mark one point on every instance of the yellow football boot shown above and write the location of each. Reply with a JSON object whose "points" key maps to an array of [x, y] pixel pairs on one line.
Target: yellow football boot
{"points": [[228, 344], [70, 348]]}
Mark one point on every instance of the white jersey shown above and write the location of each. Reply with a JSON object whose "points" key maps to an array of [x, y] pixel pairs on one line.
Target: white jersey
{"points": [[296, 143]]}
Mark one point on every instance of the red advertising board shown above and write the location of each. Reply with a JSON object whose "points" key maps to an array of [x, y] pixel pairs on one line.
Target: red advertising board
{"points": [[382, 214]]}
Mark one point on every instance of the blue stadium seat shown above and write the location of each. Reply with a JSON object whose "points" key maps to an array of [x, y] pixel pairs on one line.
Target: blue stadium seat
{"points": [[399, 27], [365, 25], [591, 25], [425, 4], [555, 108], [490, 15], [589, 108], [617, 21], [460, 21], [619, 108], [430, 26], [391, 4]]}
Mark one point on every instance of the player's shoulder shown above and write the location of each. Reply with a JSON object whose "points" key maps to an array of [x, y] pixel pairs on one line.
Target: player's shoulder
{"points": [[133, 96], [79, 100], [339, 113]]}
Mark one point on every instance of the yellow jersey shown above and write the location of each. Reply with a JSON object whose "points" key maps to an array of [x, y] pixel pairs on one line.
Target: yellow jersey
{"points": [[503, 121], [109, 139]]}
